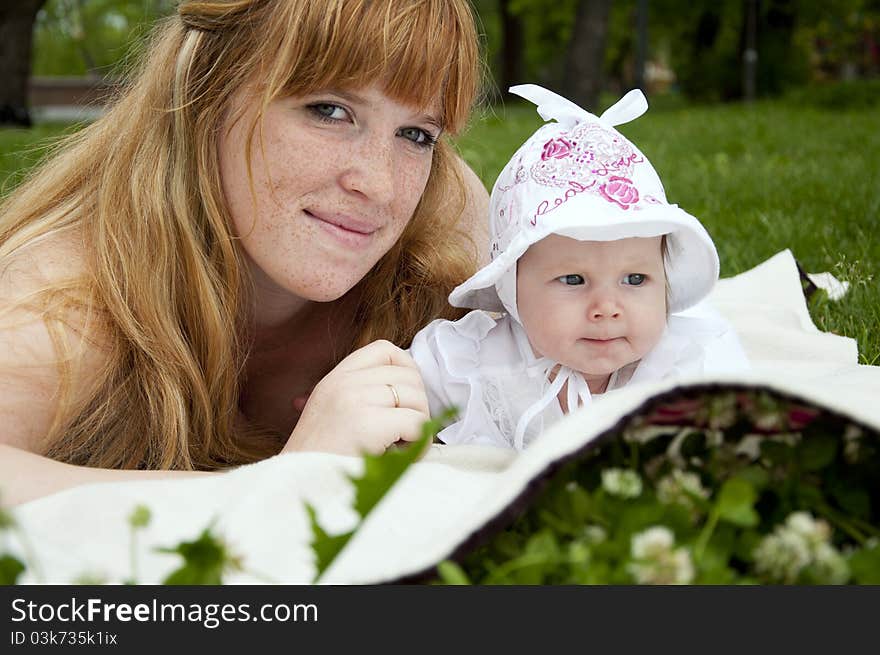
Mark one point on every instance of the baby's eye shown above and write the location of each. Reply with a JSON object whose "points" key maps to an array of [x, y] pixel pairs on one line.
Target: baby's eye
{"points": [[571, 280], [329, 111], [635, 279]]}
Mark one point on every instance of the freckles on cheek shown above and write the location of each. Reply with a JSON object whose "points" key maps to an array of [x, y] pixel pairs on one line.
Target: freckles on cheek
{"points": [[412, 183]]}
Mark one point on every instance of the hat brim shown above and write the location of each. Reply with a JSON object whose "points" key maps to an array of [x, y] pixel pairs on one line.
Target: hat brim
{"points": [[692, 265]]}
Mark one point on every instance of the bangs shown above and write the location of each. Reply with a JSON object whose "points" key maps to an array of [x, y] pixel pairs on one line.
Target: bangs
{"points": [[420, 52]]}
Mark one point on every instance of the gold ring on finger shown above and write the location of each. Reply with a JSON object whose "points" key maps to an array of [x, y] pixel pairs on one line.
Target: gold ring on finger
{"points": [[394, 393]]}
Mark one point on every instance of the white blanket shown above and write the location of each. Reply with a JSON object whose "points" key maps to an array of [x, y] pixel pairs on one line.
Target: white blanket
{"points": [[451, 496]]}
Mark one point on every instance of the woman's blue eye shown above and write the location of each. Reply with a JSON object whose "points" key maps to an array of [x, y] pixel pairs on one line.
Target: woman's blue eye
{"points": [[635, 279], [418, 136], [571, 280], [329, 111]]}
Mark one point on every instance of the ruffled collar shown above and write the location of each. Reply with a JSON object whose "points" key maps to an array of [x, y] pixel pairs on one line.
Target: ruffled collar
{"points": [[577, 391]]}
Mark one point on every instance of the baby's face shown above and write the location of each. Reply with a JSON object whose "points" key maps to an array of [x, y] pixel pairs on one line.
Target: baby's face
{"points": [[593, 306]]}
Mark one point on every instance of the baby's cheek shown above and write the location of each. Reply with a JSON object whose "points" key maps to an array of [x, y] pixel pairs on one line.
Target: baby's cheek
{"points": [[652, 326]]}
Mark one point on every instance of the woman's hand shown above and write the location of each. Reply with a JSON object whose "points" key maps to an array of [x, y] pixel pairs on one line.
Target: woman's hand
{"points": [[373, 398]]}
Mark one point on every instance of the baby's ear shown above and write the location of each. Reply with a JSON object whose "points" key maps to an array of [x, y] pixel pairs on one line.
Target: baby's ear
{"points": [[664, 255]]}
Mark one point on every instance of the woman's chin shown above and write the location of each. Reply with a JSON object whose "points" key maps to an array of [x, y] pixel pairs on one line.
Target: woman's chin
{"points": [[325, 292]]}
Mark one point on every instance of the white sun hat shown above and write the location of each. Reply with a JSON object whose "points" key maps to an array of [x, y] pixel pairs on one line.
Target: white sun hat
{"points": [[580, 178]]}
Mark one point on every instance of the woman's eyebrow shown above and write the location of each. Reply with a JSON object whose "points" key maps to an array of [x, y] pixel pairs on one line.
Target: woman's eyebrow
{"points": [[430, 120], [350, 96]]}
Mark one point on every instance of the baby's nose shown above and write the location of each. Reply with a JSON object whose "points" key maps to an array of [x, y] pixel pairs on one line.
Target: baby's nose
{"points": [[604, 308]]}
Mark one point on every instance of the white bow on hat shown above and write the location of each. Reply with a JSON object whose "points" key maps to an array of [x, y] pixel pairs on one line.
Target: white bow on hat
{"points": [[552, 106]]}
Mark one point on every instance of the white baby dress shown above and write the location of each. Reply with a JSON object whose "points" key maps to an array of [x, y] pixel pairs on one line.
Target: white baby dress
{"points": [[485, 367]]}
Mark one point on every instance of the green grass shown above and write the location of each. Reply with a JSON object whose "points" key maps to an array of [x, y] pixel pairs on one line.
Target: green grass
{"points": [[20, 149], [763, 178]]}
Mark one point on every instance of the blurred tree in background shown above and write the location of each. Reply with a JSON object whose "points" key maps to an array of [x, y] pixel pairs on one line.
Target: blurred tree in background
{"points": [[16, 20], [92, 37], [578, 47], [697, 47]]}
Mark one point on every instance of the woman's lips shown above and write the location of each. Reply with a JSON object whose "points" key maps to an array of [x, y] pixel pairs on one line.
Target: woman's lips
{"points": [[349, 232]]}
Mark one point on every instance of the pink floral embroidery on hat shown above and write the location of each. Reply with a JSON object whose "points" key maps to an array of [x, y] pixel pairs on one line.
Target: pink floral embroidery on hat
{"points": [[519, 178], [556, 149], [587, 153], [620, 190]]}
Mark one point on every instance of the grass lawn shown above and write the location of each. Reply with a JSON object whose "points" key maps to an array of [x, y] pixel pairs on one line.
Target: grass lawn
{"points": [[761, 178]]}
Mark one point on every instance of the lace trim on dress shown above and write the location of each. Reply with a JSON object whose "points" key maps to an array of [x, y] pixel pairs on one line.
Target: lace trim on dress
{"points": [[498, 408]]}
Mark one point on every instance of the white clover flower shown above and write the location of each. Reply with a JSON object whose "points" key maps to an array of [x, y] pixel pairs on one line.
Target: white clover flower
{"points": [[829, 565], [642, 434], [781, 556], [801, 542], [656, 562], [651, 543], [723, 410], [679, 487], [852, 443], [595, 534], [803, 523], [750, 446], [622, 482]]}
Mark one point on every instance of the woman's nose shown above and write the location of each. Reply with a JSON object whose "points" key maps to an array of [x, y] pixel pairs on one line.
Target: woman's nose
{"points": [[371, 171]]}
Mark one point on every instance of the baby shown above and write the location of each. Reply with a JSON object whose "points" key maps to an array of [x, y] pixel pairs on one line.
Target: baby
{"points": [[593, 270]]}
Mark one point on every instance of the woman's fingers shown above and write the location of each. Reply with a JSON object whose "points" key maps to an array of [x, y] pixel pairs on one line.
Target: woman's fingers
{"points": [[377, 353], [372, 399], [394, 386], [399, 425]]}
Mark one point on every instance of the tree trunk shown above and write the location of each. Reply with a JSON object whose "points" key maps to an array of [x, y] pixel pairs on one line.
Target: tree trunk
{"points": [[582, 80], [16, 35], [512, 47]]}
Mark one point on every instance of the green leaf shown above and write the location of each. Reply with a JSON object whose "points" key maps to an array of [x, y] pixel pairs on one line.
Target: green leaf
{"points": [[693, 445], [754, 475], [736, 502], [7, 521], [382, 471], [776, 452], [853, 501], [817, 451], [452, 574], [10, 569], [204, 561], [746, 543], [807, 493], [865, 565], [325, 547]]}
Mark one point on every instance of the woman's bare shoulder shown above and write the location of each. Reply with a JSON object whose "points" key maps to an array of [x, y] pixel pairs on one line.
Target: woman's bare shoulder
{"points": [[32, 348], [475, 218]]}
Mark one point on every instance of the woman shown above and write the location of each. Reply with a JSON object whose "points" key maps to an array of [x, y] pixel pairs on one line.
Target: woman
{"points": [[179, 286]]}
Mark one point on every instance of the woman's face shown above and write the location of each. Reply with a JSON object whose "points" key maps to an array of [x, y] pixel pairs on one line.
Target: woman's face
{"points": [[337, 178]]}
